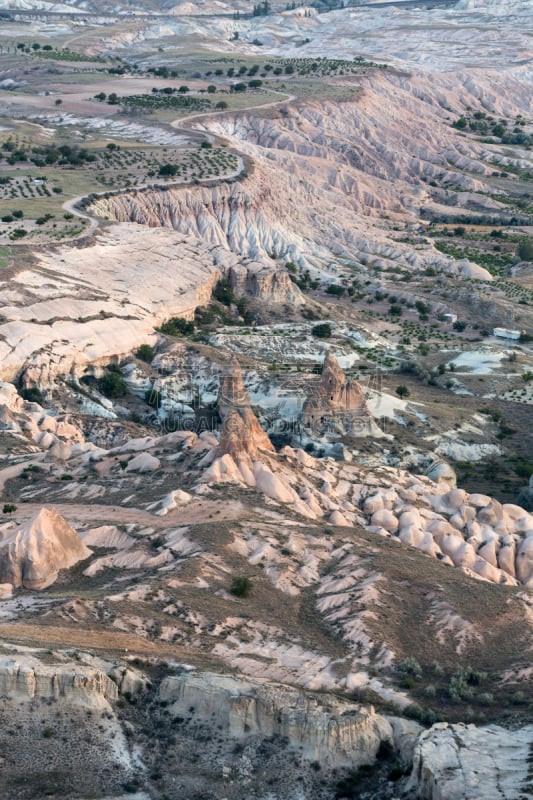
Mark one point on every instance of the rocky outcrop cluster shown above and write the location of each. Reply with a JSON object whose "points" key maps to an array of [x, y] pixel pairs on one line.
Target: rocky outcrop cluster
{"points": [[32, 554], [484, 538], [471, 531], [337, 405]]}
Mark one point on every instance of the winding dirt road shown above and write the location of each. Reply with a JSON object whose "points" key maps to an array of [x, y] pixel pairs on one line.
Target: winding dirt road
{"points": [[94, 222]]}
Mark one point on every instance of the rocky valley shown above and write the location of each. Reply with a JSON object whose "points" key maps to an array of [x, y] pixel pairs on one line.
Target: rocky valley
{"points": [[266, 381]]}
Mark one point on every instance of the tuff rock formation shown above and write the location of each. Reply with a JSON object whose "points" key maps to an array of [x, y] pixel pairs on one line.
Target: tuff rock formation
{"points": [[464, 762], [24, 678], [241, 436], [337, 405], [32, 555], [259, 280], [336, 733], [442, 472]]}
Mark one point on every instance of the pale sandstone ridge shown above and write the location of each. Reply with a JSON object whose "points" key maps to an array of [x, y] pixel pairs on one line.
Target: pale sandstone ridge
{"points": [[241, 437], [32, 555], [86, 305], [25, 678], [80, 306], [334, 733], [337, 405], [463, 762]]}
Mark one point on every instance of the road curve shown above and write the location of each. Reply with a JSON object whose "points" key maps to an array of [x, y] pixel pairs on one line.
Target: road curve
{"points": [[94, 222]]}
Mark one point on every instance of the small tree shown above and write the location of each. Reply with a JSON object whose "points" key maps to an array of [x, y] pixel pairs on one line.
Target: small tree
{"points": [[241, 586], [112, 385], [335, 290], [145, 352], [168, 170], [322, 331], [402, 391]]}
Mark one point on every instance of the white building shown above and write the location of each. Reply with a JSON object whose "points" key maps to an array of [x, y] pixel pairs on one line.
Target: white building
{"points": [[506, 333]]}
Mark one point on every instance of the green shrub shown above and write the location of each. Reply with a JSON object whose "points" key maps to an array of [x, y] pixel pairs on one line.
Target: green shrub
{"points": [[410, 666], [224, 293], [32, 395], [402, 391], [112, 385], [145, 353], [335, 290], [167, 170], [9, 508], [177, 327], [241, 586], [322, 331]]}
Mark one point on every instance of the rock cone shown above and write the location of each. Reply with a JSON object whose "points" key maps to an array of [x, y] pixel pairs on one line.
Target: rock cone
{"points": [[241, 435], [32, 555], [337, 405]]}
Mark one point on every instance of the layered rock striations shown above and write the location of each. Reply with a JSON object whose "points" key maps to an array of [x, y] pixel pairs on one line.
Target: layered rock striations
{"points": [[325, 174]]}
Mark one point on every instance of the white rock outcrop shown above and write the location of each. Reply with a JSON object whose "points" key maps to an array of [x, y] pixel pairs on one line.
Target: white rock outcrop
{"points": [[32, 554], [332, 732], [25, 678], [465, 762]]}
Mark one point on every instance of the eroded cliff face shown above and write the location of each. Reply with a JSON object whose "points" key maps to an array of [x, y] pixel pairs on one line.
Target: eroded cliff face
{"points": [[59, 735], [331, 732], [327, 174], [27, 679], [465, 762], [86, 305], [271, 286]]}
